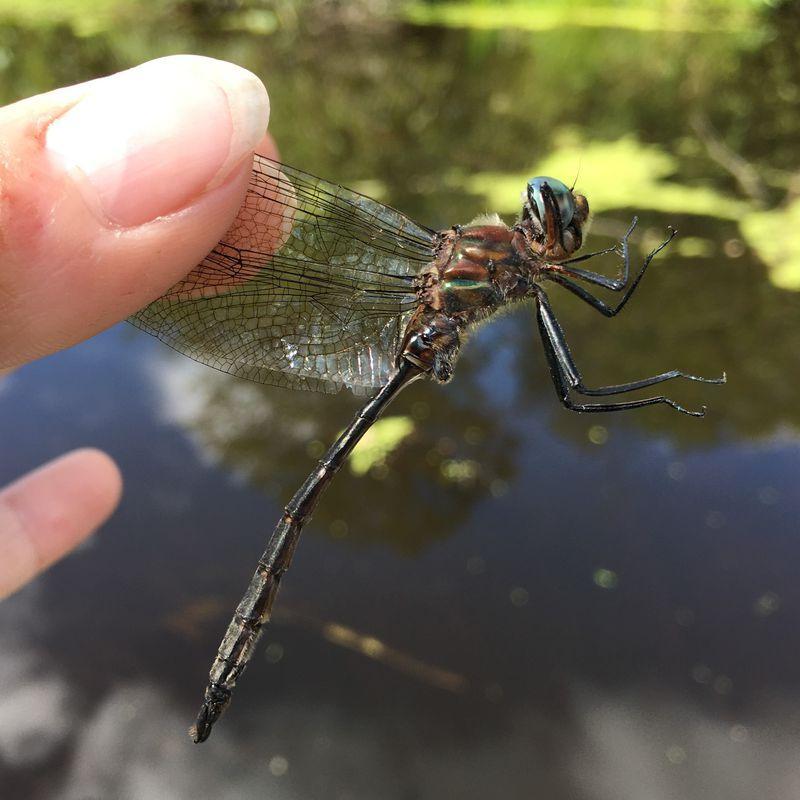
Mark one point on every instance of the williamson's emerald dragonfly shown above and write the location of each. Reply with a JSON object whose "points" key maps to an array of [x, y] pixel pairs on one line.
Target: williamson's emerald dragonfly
{"points": [[318, 287]]}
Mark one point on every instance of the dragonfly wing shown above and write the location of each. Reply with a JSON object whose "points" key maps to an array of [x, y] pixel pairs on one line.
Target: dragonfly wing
{"points": [[311, 287]]}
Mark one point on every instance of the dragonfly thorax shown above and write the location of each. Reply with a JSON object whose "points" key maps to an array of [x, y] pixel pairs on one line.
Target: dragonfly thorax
{"points": [[485, 269], [479, 269]]}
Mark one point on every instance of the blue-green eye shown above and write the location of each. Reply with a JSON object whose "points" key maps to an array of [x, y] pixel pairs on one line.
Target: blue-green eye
{"points": [[563, 196]]}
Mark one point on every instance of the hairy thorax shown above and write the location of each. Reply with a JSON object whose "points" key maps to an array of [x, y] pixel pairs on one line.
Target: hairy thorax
{"points": [[479, 268]]}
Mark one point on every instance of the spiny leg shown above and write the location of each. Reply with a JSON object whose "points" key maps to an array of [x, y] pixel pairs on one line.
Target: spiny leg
{"points": [[588, 297], [614, 284], [557, 338], [567, 377]]}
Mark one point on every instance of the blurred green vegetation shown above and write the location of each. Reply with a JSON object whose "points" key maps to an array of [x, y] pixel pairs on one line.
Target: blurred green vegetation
{"points": [[378, 443], [681, 111], [423, 467], [599, 164], [655, 15]]}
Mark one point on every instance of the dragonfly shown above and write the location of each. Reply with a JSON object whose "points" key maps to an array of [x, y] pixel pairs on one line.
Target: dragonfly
{"points": [[321, 288]]}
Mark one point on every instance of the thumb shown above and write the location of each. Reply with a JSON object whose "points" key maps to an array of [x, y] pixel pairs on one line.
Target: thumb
{"points": [[112, 190]]}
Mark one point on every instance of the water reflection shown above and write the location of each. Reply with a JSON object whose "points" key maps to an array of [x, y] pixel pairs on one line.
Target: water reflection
{"points": [[618, 596], [35, 702], [421, 490], [643, 741]]}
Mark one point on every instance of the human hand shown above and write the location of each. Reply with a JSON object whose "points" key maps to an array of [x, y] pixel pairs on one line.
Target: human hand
{"points": [[110, 192]]}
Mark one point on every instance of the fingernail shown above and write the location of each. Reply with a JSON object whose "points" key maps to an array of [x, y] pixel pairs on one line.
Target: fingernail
{"points": [[149, 141]]}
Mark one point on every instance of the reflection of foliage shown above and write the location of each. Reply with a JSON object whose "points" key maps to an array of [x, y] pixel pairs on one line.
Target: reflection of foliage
{"points": [[84, 18], [775, 236], [755, 97], [620, 174], [493, 14], [415, 492], [447, 123], [378, 443]]}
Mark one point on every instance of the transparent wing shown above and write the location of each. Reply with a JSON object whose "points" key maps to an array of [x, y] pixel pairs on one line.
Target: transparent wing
{"points": [[311, 288]]}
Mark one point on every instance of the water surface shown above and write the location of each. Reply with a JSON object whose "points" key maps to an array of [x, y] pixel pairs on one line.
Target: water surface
{"points": [[510, 600]]}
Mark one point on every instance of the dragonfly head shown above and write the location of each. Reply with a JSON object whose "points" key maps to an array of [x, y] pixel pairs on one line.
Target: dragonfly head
{"points": [[565, 202], [555, 215]]}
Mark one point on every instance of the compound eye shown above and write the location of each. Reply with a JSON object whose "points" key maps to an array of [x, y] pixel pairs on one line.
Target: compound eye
{"points": [[563, 197]]}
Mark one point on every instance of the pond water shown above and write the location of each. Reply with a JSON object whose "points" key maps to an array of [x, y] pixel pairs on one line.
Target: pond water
{"points": [[505, 599]]}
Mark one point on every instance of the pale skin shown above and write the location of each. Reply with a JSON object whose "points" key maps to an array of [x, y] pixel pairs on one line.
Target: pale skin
{"points": [[110, 192]]}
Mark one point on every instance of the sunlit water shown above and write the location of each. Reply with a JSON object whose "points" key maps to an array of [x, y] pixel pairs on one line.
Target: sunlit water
{"points": [[506, 600]]}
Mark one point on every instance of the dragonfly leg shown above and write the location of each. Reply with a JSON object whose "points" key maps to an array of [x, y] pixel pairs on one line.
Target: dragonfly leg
{"points": [[561, 278], [588, 256], [614, 284], [254, 609], [567, 378]]}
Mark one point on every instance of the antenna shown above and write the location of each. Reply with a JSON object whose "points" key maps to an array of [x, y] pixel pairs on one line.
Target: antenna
{"points": [[580, 160]]}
